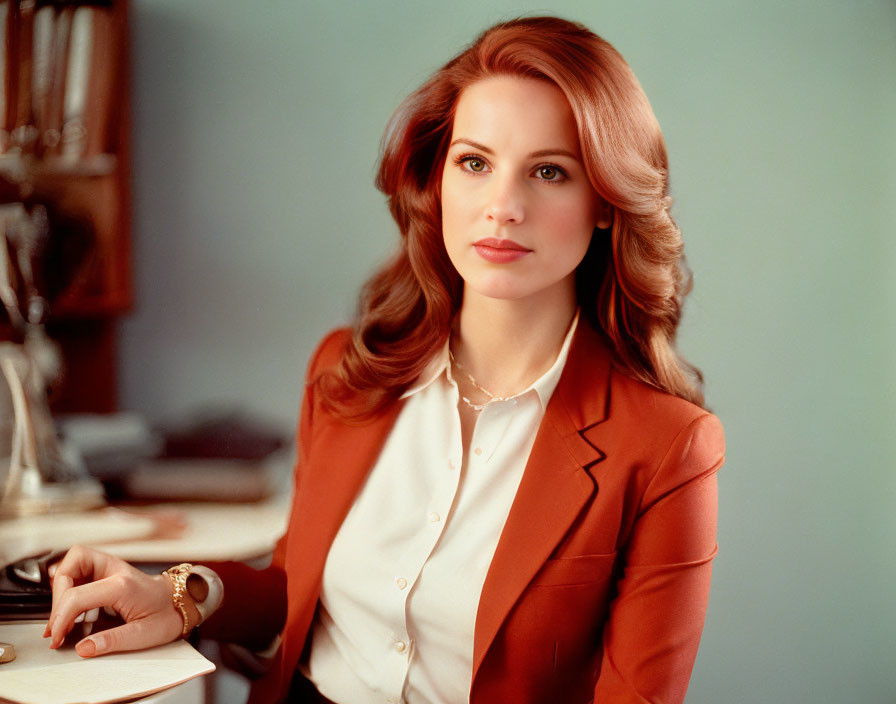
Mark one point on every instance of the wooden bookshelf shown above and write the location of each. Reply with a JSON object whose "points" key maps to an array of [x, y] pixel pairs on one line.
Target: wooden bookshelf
{"points": [[66, 126]]}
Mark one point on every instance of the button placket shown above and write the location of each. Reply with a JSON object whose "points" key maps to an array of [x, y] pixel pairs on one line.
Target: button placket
{"points": [[490, 429], [412, 563], [397, 664]]}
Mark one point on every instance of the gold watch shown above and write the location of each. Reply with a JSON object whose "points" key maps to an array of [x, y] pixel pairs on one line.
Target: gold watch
{"points": [[180, 578]]}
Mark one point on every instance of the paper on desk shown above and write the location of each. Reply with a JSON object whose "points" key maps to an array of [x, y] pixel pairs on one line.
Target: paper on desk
{"points": [[39, 675]]}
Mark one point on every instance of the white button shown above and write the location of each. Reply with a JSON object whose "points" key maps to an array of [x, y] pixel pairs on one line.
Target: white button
{"points": [[434, 517], [401, 582], [399, 646], [478, 450]]}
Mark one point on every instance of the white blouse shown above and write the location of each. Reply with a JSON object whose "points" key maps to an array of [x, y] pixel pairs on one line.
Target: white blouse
{"points": [[403, 577]]}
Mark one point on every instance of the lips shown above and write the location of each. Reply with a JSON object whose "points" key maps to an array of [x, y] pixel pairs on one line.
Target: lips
{"points": [[500, 251], [495, 243]]}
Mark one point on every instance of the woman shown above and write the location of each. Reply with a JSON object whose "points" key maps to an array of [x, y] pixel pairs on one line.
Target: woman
{"points": [[505, 488]]}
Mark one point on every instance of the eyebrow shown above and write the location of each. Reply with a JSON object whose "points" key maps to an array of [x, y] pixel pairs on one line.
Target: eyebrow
{"points": [[533, 155]]}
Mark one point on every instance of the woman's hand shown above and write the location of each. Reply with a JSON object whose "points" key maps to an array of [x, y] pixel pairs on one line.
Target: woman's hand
{"points": [[86, 579]]}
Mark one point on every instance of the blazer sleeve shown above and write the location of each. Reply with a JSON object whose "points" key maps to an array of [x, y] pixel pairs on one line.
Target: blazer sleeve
{"points": [[253, 609], [653, 630]]}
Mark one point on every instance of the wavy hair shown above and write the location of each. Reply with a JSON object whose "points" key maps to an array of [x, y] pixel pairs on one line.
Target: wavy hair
{"points": [[631, 283]]}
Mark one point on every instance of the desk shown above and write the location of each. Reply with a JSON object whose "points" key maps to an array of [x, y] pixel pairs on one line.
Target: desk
{"points": [[210, 532], [213, 532]]}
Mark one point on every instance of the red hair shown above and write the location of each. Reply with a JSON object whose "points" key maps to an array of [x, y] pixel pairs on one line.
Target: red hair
{"points": [[631, 283]]}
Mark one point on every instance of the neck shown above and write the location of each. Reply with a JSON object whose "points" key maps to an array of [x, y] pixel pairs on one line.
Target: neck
{"points": [[507, 345]]}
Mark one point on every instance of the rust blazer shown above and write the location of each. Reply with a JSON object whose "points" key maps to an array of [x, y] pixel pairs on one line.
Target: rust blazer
{"points": [[599, 584]]}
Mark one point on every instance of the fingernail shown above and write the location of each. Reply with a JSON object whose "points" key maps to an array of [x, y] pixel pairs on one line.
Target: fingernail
{"points": [[86, 648]]}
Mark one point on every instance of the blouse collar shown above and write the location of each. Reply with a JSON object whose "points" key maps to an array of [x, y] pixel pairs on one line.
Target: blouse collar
{"points": [[543, 386]]}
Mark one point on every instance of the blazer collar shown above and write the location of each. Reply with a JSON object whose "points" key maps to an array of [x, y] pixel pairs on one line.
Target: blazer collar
{"points": [[554, 488]]}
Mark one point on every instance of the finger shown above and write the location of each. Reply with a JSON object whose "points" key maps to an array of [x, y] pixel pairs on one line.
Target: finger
{"points": [[64, 573], [83, 563], [61, 585], [79, 564], [51, 572], [135, 635], [77, 600]]}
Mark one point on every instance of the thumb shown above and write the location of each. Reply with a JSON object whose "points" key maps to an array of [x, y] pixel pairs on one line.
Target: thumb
{"points": [[135, 635]]}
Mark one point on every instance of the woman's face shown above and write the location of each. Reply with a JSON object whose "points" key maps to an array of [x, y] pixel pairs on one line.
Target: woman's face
{"points": [[518, 209]]}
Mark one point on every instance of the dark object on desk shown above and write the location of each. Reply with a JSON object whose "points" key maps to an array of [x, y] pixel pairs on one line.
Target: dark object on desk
{"points": [[233, 436], [25, 592], [110, 444], [198, 479], [25, 595], [223, 457]]}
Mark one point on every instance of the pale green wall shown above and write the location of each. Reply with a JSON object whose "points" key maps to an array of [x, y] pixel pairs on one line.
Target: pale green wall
{"points": [[257, 126]]}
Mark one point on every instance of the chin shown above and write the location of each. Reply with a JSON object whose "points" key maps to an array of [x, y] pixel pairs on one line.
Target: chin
{"points": [[500, 290]]}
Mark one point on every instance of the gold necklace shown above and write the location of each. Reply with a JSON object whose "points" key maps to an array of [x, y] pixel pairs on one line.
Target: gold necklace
{"points": [[475, 406]]}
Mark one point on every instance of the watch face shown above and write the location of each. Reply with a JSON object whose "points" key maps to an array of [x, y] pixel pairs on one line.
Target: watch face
{"points": [[197, 588]]}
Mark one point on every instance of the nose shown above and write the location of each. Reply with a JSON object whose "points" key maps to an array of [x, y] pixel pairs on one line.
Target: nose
{"points": [[505, 200]]}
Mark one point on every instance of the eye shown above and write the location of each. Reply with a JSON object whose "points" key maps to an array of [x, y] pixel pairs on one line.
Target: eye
{"points": [[549, 172], [475, 164], [471, 163]]}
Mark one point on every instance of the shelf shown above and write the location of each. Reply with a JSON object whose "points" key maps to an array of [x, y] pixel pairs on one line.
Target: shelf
{"points": [[31, 169], [66, 110]]}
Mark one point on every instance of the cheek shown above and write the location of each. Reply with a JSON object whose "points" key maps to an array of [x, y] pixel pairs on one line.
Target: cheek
{"points": [[574, 220], [455, 208], [446, 197]]}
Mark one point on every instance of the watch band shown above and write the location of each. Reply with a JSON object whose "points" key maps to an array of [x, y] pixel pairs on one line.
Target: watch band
{"points": [[178, 576]]}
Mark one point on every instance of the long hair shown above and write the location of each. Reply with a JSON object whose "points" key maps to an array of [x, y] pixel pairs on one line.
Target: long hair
{"points": [[631, 283]]}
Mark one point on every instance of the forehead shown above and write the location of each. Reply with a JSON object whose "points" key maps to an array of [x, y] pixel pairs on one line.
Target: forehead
{"points": [[508, 111]]}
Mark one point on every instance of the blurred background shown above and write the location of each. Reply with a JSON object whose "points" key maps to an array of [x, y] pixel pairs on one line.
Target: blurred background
{"points": [[255, 136]]}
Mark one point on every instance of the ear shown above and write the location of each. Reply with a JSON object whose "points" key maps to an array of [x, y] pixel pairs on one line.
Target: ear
{"points": [[604, 215]]}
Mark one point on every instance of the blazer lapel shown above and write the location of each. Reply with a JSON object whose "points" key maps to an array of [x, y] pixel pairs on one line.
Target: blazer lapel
{"points": [[331, 482], [340, 469], [554, 487]]}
